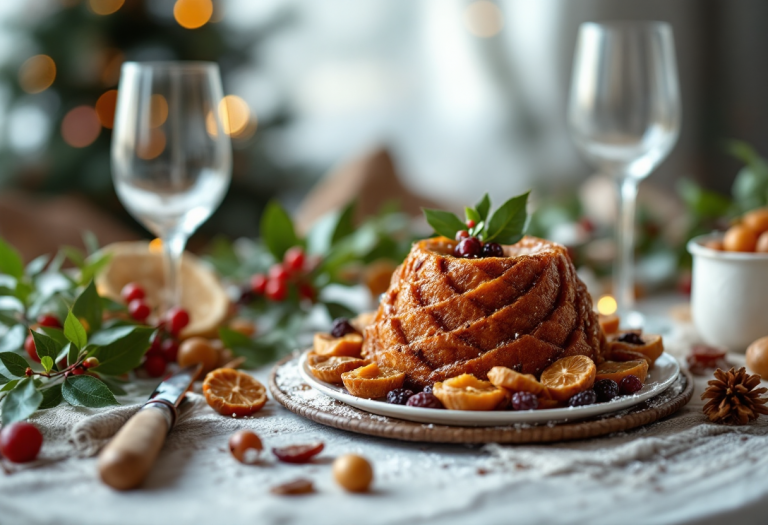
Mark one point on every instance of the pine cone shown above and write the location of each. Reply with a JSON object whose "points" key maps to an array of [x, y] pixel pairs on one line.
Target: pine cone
{"points": [[733, 399]]}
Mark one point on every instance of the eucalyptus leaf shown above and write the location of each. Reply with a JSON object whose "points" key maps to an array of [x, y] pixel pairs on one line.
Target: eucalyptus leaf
{"points": [[507, 224], [46, 346], [14, 363], [444, 223], [87, 391], [21, 402], [277, 230], [88, 306], [119, 350], [10, 260], [51, 397], [13, 338], [74, 331]]}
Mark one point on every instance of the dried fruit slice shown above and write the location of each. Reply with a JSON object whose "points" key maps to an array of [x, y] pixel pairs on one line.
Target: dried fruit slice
{"points": [[568, 376], [550, 403], [650, 345], [609, 323], [294, 488], [619, 370], [298, 453], [233, 393], [466, 392], [349, 345], [504, 377], [372, 381], [330, 368], [363, 320]]}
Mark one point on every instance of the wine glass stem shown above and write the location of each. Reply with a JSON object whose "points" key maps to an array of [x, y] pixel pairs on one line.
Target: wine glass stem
{"points": [[623, 271], [173, 246]]}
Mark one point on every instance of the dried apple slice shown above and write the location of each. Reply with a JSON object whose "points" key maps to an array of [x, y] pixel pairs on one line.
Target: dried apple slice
{"points": [[349, 345], [466, 392], [649, 345], [329, 368], [504, 377], [372, 381], [618, 370]]}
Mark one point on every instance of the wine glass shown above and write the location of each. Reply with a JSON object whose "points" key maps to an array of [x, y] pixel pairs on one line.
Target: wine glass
{"points": [[171, 159], [624, 115]]}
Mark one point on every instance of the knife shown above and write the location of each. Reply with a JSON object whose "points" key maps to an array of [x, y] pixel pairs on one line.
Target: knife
{"points": [[128, 458]]}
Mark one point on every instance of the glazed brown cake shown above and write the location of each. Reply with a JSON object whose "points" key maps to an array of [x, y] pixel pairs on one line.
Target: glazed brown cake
{"points": [[443, 316]]}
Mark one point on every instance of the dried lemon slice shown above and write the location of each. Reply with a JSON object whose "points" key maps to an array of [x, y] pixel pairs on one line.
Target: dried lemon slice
{"points": [[504, 377], [330, 368], [619, 370], [350, 345], [650, 345], [609, 323], [233, 393], [568, 376], [466, 392], [372, 381]]}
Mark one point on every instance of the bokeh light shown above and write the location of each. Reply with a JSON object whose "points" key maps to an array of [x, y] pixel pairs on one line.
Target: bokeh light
{"points": [[113, 60], [606, 305], [210, 125], [156, 245], [158, 110], [80, 127], [105, 7], [151, 144], [37, 73], [192, 14], [105, 108], [483, 19], [235, 114]]}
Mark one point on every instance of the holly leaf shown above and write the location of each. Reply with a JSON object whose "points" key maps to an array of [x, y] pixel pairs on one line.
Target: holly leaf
{"points": [[46, 346], [10, 261], [14, 363], [13, 338], [51, 397], [472, 215], [74, 331], [21, 402], [256, 353], [119, 350], [336, 310], [444, 223], [277, 230], [47, 363], [507, 224], [87, 391], [88, 306], [484, 207]]}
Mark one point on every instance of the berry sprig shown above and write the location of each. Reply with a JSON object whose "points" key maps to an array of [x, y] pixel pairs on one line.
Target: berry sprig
{"points": [[294, 271]]}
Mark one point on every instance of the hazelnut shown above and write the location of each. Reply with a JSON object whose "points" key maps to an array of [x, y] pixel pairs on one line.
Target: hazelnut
{"points": [[353, 472]]}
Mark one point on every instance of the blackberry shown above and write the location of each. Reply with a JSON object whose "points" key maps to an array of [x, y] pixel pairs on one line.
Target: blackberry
{"points": [[399, 396], [524, 401], [342, 327], [424, 400], [493, 249], [606, 389], [632, 338], [588, 397]]}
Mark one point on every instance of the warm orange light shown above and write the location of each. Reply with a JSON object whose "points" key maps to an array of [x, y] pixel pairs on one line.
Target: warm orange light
{"points": [[211, 125], [113, 60], [248, 131], [105, 108], [37, 73], [192, 14], [156, 245], [80, 127], [606, 305], [158, 111], [151, 144], [105, 7], [483, 19], [234, 113]]}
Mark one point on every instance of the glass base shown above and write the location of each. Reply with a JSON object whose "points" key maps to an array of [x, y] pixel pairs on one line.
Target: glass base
{"points": [[652, 324]]}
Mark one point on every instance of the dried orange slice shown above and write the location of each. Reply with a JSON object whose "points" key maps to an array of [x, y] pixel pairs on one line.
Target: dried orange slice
{"points": [[466, 392], [372, 381], [234, 393], [609, 323], [504, 377], [329, 368], [545, 403], [649, 345], [568, 376], [350, 345], [617, 370]]}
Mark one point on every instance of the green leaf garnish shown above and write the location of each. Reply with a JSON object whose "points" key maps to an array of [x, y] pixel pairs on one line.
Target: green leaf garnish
{"points": [[74, 331], [87, 391], [10, 260], [21, 402], [14, 363], [444, 223], [484, 207], [47, 363], [119, 350], [277, 230], [13, 338], [507, 224], [46, 346], [51, 397], [88, 306]]}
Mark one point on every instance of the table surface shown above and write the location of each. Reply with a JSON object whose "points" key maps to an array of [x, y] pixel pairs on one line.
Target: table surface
{"points": [[657, 474]]}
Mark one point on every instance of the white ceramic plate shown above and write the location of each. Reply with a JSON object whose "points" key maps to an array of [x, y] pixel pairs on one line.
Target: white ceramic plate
{"points": [[660, 377]]}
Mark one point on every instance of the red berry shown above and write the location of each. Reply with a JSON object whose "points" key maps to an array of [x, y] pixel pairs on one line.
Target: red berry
{"points": [[29, 346], [170, 349], [259, 283], [155, 366], [278, 273], [276, 290], [139, 310], [78, 371], [629, 385], [468, 248], [461, 234], [28, 372], [587, 224], [298, 453], [177, 318], [91, 362], [20, 442], [131, 292], [157, 341], [470, 223], [294, 259], [307, 291], [49, 321]]}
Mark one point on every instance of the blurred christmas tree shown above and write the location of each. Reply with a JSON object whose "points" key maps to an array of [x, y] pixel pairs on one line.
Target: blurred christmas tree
{"points": [[61, 91]]}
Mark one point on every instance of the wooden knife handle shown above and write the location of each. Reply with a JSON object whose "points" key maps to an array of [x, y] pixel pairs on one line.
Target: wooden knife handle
{"points": [[128, 458]]}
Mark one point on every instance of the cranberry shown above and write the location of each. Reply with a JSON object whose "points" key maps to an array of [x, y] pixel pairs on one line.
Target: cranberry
{"points": [[461, 234], [20, 442], [131, 292], [157, 341], [399, 396], [28, 372], [91, 362], [139, 310], [606, 389], [259, 283], [278, 273], [155, 366], [294, 259], [470, 223], [342, 327], [469, 247], [49, 321], [493, 249], [80, 370], [632, 338], [29, 346], [525, 401], [298, 453], [630, 385], [177, 318], [276, 290], [424, 400], [170, 350], [588, 397], [307, 291]]}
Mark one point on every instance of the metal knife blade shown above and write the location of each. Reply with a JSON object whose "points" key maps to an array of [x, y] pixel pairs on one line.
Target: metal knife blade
{"points": [[172, 390]]}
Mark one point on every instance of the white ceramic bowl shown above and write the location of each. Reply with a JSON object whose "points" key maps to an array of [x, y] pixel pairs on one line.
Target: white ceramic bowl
{"points": [[729, 295]]}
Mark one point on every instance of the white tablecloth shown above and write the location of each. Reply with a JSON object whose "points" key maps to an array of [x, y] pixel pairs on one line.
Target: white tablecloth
{"points": [[680, 470]]}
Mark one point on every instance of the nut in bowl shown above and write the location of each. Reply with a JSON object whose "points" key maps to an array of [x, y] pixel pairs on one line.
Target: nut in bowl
{"points": [[729, 294]]}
